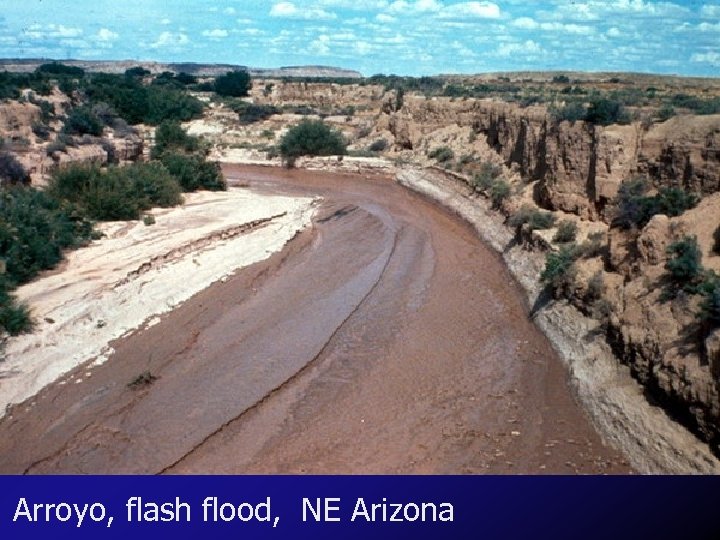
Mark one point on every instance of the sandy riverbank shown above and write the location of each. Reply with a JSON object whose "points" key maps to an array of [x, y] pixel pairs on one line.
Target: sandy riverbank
{"points": [[136, 273]]}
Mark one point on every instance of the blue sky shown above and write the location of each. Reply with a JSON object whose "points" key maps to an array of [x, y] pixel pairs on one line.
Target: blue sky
{"points": [[409, 37]]}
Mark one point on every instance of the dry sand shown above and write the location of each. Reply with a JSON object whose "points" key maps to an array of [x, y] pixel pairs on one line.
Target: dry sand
{"points": [[137, 272]]}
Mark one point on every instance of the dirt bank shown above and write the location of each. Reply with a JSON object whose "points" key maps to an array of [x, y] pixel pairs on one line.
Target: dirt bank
{"points": [[387, 339], [616, 403]]}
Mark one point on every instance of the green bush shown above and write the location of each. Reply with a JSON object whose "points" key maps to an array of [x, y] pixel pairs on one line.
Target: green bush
{"points": [[636, 209], [14, 318], [81, 121], [137, 103], [234, 84], [484, 180], [312, 138], [536, 219], [603, 111], [194, 172], [169, 135], [153, 185], [120, 193], [499, 192], [559, 271], [566, 232], [685, 263], [443, 154], [34, 228], [249, 113], [716, 240], [710, 305]]}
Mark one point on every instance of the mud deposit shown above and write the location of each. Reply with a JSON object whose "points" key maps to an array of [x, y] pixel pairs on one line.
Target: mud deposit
{"points": [[386, 339]]}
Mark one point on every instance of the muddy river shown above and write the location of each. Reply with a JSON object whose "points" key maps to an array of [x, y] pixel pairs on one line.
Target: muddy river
{"points": [[385, 339]]}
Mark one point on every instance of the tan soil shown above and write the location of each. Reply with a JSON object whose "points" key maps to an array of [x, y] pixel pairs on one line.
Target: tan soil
{"points": [[387, 339]]}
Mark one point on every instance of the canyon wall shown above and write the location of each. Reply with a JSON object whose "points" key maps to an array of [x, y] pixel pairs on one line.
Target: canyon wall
{"points": [[579, 166]]}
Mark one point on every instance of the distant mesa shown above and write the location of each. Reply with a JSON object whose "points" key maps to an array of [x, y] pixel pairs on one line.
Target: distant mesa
{"points": [[192, 68]]}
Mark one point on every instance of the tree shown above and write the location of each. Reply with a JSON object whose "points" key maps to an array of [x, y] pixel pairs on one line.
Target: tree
{"points": [[233, 84], [312, 138]]}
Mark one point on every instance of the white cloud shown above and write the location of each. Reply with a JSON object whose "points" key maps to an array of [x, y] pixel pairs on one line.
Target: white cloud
{"points": [[385, 18], [165, 21], [170, 39], [528, 48], [710, 11], [614, 32], [288, 10], [712, 58], [215, 33], [526, 23], [229, 11], [707, 27], [478, 10], [106, 35], [37, 31]]}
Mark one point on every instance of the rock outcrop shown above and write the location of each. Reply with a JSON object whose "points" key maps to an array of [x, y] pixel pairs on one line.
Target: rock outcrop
{"points": [[579, 166]]}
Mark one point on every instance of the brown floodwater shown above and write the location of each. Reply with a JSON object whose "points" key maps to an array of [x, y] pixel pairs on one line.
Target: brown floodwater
{"points": [[386, 339]]}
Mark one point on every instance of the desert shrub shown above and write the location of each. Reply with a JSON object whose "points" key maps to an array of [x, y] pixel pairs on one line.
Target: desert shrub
{"points": [[484, 180], [636, 209], [81, 121], [685, 263], [169, 135], [11, 170], [566, 232], [499, 192], [249, 113], [137, 103], [233, 83], [604, 111], [194, 172], [153, 184], [535, 219], [561, 79], [312, 138], [442, 154], [378, 146], [559, 271], [34, 228], [14, 319], [571, 112], [665, 113], [716, 240], [710, 305], [120, 193], [148, 219]]}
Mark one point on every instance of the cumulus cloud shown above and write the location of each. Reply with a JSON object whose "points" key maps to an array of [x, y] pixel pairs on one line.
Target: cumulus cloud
{"points": [[106, 35], [710, 11], [170, 39], [37, 31], [712, 58], [526, 23], [288, 10], [528, 48], [215, 33], [479, 10]]}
